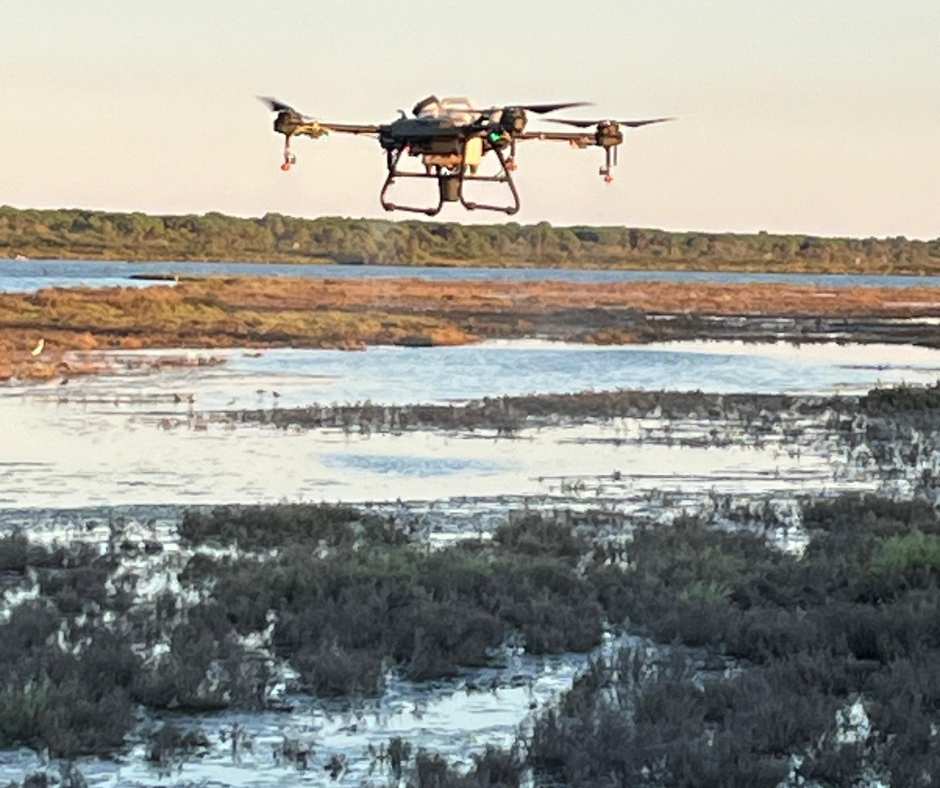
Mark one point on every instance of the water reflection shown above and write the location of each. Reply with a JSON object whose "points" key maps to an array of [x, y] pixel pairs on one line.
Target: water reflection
{"points": [[59, 463], [286, 377], [106, 440]]}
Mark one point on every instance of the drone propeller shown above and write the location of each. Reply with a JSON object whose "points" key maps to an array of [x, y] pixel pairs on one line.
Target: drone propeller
{"points": [[538, 109], [279, 106], [276, 106], [544, 109], [585, 124]]}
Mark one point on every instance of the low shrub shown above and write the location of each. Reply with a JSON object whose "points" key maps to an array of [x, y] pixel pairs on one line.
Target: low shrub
{"points": [[493, 768], [426, 613], [50, 698], [205, 669], [265, 527], [170, 743], [538, 535], [896, 400]]}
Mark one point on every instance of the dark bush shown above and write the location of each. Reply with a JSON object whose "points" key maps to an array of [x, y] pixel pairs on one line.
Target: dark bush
{"points": [[170, 743], [17, 553], [871, 514], [50, 698], [896, 400], [427, 614], [265, 527], [205, 669], [331, 670], [492, 769], [537, 535], [14, 552], [834, 764]]}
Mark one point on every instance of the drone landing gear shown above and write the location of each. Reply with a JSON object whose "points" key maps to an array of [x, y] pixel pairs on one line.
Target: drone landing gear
{"points": [[507, 166], [450, 185]]}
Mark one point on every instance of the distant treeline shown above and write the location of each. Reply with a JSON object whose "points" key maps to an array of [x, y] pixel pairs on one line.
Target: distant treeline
{"points": [[276, 238]]}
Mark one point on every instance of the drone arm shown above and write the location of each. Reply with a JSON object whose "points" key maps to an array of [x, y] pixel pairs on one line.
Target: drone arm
{"points": [[316, 129], [291, 125], [602, 138], [579, 139], [349, 128]]}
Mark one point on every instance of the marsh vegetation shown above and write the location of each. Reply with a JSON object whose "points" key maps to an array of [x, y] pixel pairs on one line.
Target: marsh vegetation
{"points": [[834, 658], [820, 665], [354, 314], [343, 598]]}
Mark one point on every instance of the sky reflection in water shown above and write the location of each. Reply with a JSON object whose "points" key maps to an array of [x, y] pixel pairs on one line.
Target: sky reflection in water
{"points": [[99, 440]]}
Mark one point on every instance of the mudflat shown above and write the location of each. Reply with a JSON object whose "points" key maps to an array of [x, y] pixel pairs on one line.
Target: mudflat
{"points": [[333, 313]]}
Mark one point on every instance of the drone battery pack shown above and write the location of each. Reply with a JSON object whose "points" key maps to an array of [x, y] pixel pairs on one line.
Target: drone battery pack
{"points": [[473, 151]]}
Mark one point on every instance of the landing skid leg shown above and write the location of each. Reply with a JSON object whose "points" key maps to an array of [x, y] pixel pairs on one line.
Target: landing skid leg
{"points": [[504, 177], [393, 173]]}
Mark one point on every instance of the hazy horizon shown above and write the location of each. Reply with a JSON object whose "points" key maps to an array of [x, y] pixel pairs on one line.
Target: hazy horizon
{"points": [[803, 119]]}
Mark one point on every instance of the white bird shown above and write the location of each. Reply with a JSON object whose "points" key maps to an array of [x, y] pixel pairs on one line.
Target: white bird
{"points": [[39, 346]]}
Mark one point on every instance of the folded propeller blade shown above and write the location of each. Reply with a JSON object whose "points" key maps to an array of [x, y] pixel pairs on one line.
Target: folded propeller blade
{"points": [[544, 109], [584, 124], [279, 106], [538, 109], [276, 106]]}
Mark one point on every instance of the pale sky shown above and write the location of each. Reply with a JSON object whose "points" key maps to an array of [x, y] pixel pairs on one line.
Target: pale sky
{"points": [[817, 116]]}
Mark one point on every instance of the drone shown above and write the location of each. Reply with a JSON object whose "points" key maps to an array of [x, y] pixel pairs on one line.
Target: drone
{"points": [[451, 138]]}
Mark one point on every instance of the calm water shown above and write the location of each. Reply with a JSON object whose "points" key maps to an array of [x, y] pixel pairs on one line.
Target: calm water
{"points": [[144, 439], [398, 375], [30, 275]]}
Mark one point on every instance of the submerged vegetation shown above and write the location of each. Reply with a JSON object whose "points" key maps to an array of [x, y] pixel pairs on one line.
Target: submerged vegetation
{"points": [[213, 236]]}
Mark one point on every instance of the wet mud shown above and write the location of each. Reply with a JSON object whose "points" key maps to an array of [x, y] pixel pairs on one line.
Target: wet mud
{"points": [[345, 314]]}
